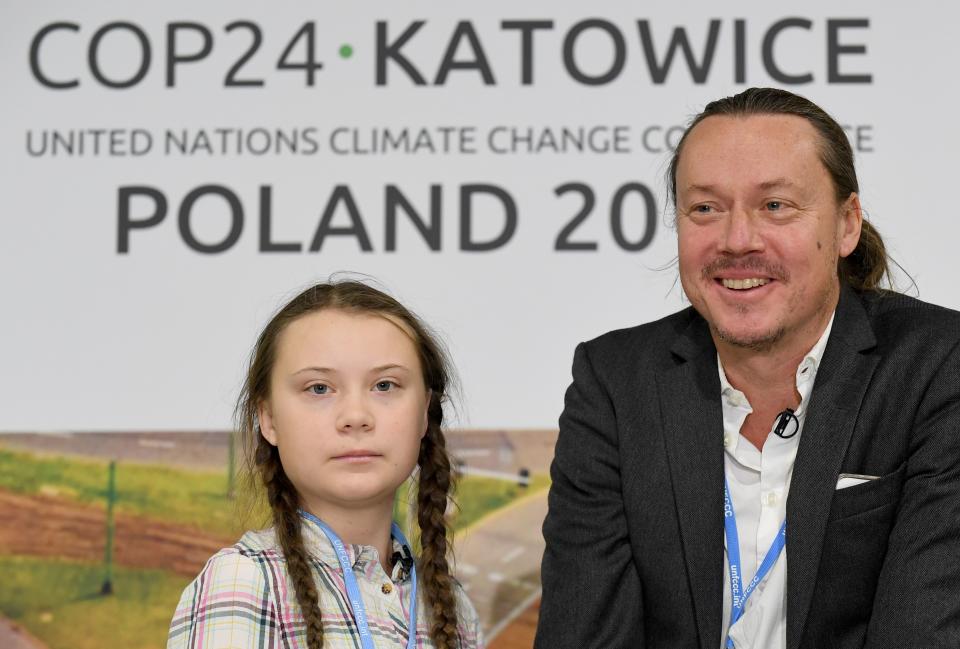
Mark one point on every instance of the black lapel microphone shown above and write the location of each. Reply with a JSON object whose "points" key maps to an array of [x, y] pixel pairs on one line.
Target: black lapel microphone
{"points": [[782, 427], [405, 559]]}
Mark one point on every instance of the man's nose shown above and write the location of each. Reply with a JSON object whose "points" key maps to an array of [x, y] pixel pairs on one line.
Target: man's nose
{"points": [[354, 415], [741, 233]]}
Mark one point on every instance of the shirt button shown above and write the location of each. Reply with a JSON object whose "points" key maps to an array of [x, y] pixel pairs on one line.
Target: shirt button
{"points": [[386, 589], [771, 499], [726, 440]]}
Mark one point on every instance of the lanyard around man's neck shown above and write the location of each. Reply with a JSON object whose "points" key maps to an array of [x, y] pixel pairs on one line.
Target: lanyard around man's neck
{"points": [[738, 594]]}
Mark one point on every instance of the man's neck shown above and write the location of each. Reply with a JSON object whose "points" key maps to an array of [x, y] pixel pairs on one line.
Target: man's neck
{"points": [[363, 525], [768, 378], [772, 370], [761, 376]]}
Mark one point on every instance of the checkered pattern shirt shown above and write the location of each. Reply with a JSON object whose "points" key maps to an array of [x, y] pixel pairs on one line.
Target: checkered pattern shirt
{"points": [[244, 599]]}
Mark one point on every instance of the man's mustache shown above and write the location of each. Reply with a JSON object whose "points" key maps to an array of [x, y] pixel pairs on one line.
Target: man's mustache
{"points": [[763, 267]]}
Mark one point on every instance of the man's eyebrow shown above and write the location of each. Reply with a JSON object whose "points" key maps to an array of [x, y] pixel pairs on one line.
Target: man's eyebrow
{"points": [[707, 189], [776, 183]]}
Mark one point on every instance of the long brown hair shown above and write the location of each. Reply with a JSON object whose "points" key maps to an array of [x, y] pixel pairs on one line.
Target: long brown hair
{"points": [[868, 266], [263, 467]]}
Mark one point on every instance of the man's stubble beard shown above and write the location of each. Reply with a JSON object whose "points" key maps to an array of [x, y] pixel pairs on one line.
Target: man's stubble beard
{"points": [[765, 341]]}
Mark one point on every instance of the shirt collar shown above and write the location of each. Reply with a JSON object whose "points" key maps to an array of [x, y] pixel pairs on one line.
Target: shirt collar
{"points": [[364, 558]]}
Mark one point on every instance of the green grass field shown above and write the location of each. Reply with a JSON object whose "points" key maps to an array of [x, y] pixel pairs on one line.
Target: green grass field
{"points": [[59, 602], [197, 498]]}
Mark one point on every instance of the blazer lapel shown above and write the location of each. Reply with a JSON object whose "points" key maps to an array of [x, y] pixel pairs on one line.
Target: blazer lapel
{"points": [[841, 382], [693, 427]]}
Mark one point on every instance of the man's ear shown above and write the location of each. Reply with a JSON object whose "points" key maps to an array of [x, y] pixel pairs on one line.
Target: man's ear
{"points": [[851, 222], [265, 417]]}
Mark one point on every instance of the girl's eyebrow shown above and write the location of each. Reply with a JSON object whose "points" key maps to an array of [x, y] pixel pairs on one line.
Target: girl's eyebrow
{"points": [[322, 370], [389, 366], [330, 370]]}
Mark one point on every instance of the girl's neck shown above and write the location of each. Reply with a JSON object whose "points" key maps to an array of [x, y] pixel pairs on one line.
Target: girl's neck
{"points": [[359, 525]]}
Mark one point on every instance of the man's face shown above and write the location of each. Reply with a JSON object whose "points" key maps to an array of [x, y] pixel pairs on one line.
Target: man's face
{"points": [[760, 231]]}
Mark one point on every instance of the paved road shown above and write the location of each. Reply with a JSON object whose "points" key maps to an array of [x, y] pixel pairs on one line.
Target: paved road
{"points": [[13, 636], [498, 562], [520, 633]]}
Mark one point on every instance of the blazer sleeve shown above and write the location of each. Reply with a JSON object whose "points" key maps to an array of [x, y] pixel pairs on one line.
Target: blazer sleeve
{"points": [[591, 591], [918, 593], [228, 606]]}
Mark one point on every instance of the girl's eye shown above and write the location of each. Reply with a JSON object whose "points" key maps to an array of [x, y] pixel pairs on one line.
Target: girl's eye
{"points": [[319, 388], [384, 386]]}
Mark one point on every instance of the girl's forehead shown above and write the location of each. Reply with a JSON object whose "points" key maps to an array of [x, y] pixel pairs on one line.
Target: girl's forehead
{"points": [[347, 337]]}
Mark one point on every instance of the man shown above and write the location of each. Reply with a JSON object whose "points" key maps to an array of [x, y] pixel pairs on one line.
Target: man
{"points": [[797, 427]]}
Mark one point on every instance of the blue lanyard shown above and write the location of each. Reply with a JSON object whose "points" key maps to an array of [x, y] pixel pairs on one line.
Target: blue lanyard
{"points": [[738, 594], [353, 589]]}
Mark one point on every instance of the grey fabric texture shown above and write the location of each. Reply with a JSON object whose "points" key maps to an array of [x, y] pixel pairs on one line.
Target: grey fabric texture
{"points": [[634, 532]]}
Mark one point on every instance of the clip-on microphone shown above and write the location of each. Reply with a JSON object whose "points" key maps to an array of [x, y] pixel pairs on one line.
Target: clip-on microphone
{"points": [[784, 419]]}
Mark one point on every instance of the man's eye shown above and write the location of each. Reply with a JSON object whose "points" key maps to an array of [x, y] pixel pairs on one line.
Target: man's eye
{"points": [[384, 386], [773, 206], [319, 388], [702, 209]]}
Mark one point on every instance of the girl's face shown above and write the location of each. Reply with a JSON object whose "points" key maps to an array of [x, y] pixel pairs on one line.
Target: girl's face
{"points": [[347, 408]]}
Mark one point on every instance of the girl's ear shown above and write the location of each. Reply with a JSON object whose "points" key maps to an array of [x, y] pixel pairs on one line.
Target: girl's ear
{"points": [[265, 418]]}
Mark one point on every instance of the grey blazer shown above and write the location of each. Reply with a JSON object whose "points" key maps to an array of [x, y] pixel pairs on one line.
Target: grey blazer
{"points": [[634, 533]]}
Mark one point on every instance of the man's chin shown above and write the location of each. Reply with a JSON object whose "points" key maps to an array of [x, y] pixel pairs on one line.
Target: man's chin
{"points": [[754, 340]]}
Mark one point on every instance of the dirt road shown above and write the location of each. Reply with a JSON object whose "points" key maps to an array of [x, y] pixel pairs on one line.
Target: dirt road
{"points": [[51, 527]]}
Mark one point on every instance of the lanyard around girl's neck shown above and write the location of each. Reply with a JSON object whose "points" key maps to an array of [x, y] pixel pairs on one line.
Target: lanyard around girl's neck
{"points": [[353, 589], [738, 594]]}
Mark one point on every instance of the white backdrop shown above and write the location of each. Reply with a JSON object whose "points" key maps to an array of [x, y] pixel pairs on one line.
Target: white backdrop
{"points": [[107, 326]]}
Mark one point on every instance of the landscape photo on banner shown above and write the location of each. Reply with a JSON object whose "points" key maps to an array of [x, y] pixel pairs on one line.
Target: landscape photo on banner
{"points": [[177, 171]]}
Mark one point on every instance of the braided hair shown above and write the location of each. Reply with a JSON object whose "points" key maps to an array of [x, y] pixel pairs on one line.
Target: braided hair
{"points": [[264, 474]]}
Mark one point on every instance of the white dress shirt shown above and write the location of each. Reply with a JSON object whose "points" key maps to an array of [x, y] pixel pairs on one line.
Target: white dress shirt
{"points": [[759, 483]]}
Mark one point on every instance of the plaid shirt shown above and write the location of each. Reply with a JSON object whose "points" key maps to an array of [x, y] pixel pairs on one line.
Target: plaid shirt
{"points": [[244, 599]]}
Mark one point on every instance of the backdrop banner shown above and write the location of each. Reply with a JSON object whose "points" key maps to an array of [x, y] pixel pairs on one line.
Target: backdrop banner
{"points": [[175, 171]]}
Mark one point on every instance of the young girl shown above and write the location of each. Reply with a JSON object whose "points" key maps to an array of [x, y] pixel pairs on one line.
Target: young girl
{"points": [[343, 398]]}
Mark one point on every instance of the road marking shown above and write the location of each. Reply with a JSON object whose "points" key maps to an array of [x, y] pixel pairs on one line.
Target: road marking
{"points": [[521, 480], [512, 554], [471, 452], [511, 616], [466, 569], [157, 443]]}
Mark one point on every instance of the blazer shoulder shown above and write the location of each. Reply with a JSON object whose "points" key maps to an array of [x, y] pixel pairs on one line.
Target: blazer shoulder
{"points": [[647, 343], [901, 319]]}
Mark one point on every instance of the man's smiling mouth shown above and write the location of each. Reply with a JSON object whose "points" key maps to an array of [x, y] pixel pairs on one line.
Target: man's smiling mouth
{"points": [[742, 284]]}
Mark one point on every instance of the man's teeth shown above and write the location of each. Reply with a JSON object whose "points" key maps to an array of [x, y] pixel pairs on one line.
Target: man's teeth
{"points": [[740, 284]]}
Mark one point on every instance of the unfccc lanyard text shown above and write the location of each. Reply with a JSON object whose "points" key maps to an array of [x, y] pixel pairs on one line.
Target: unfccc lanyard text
{"points": [[738, 594]]}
